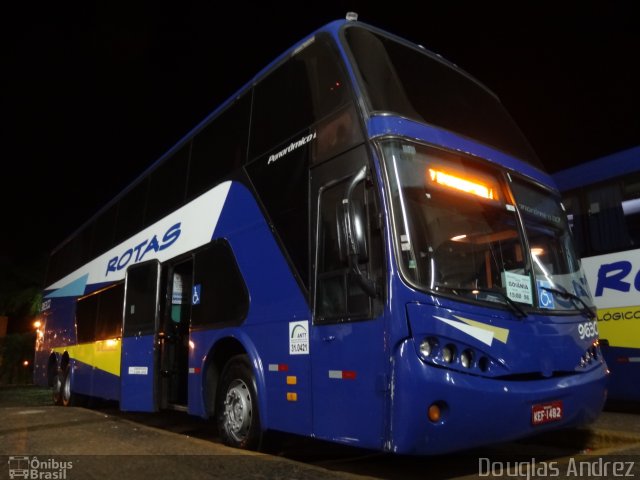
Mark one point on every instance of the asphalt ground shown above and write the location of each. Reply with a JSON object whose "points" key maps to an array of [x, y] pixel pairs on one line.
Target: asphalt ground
{"points": [[102, 442]]}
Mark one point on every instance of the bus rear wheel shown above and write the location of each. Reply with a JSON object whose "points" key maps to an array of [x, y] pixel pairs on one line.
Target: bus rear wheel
{"points": [[237, 405], [57, 387], [67, 397]]}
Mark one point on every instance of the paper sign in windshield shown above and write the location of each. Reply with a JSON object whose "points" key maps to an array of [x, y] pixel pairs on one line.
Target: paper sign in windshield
{"points": [[518, 287]]}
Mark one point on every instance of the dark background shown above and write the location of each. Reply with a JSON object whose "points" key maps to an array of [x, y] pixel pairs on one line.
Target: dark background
{"points": [[92, 95]]}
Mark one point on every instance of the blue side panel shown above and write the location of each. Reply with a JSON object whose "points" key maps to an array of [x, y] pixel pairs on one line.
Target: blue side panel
{"points": [[73, 289], [60, 326], [105, 385], [275, 300], [87, 380], [40, 368], [81, 377], [137, 374], [391, 125], [624, 364]]}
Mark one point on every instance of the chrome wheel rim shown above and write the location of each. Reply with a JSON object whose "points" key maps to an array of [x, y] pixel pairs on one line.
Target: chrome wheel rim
{"points": [[66, 388], [57, 387], [238, 410]]}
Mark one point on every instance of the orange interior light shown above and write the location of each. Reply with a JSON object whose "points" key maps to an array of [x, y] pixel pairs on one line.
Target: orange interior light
{"points": [[466, 185]]}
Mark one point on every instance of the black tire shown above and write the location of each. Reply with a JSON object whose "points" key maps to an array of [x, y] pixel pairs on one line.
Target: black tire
{"points": [[56, 392], [237, 415], [68, 397]]}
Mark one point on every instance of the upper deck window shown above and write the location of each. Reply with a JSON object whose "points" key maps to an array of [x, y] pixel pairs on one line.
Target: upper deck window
{"points": [[303, 90], [409, 81]]}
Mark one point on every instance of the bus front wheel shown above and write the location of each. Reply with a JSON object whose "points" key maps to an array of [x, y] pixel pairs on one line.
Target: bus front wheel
{"points": [[237, 405]]}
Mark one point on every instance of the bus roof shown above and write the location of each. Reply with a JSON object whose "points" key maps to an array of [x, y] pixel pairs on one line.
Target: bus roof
{"points": [[598, 170]]}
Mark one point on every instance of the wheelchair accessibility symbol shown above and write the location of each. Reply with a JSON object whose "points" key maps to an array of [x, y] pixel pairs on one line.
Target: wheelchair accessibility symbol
{"points": [[195, 296], [545, 296]]}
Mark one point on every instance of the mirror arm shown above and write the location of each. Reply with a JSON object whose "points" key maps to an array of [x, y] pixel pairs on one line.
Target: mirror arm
{"points": [[368, 285]]}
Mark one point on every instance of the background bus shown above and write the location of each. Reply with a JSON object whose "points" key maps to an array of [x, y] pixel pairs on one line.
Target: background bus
{"points": [[602, 198], [320, 257]]}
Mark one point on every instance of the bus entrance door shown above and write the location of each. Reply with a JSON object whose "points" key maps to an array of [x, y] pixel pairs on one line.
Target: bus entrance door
{"points": [[347, 338], [139, 335], [174, 335]]}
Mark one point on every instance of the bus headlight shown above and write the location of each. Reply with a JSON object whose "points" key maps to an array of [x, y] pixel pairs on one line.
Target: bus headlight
{"points": [[428, 346], [466, 358], [449, 353]]}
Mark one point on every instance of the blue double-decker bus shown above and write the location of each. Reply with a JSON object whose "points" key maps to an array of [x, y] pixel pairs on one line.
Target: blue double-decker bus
{"points": [[358, 246]]}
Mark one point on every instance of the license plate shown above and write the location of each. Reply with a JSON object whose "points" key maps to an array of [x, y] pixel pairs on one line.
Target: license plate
{"points": [[542, 413]]}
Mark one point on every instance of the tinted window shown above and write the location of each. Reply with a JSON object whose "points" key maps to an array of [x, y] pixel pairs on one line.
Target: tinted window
{"points": [[631, 207], [219, 148], [304, 89], [407, 81], [99, 315], [131, 212], [576, 218], [338, 294], [167, 185], [53, 268], [86, 313], [140, 308], [57, 267], [283, 187], [103, 231], [109, 321], [605, 218], [222, 293]]}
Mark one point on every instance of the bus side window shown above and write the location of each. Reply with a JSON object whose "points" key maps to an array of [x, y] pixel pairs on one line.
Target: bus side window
{"points": [[608, 230], [219, 295], [576, 217], [99, 315], [631, 208], [219, 148], [338, 294], [131, 212], [167, 186]]}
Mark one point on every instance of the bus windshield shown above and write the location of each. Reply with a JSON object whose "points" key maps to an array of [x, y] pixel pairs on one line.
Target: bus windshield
{"points": [[556, 266], [410, 82], [458, 232]]}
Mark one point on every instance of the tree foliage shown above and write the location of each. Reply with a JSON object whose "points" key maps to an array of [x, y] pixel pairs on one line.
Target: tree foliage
{"points": [[21, 283]]}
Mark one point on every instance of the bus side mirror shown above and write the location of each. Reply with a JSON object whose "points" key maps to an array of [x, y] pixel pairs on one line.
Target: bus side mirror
{"points": [[351, 230], [351, 220]]}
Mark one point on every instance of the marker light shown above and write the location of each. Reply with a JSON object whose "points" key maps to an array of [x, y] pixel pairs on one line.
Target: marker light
{"points": [[467, 185], [434, 413]]}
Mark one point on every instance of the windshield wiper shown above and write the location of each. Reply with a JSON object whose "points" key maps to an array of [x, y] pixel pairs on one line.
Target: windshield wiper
{"points": [[575, 299], [519, 312]]}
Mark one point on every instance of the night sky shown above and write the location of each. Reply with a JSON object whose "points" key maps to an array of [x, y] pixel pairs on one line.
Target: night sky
{"points": [[92, 96]]}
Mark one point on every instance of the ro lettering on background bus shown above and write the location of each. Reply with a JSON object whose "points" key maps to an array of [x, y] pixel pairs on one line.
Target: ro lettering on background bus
{"points": [[602, 198], [347, 273]]}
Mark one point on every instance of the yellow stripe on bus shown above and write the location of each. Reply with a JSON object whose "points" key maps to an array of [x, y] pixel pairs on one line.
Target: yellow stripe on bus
{"points": [[102, 354], [620, 326]]}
